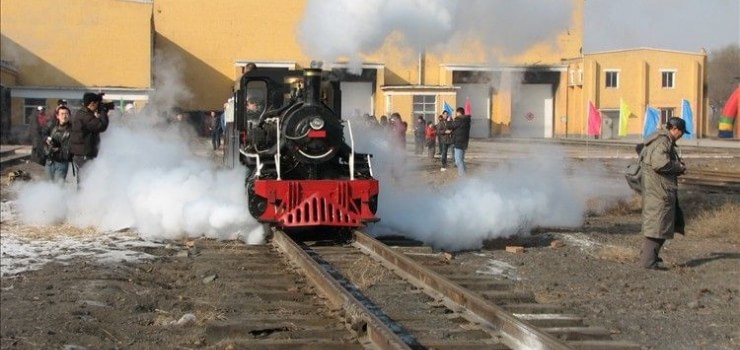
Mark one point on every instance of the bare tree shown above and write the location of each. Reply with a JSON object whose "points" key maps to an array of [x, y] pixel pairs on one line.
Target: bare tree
{"points": [[723, 74]]}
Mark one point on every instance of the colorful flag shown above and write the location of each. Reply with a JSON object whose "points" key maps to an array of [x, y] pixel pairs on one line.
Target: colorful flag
{"points": [[652, 119], [594, 120], [688, 117], [729, 114], [467, 106], [447, 108], [624, 116]]}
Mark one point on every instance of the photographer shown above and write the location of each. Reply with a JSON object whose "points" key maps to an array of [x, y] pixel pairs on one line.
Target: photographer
{"points": [[87, 124]]}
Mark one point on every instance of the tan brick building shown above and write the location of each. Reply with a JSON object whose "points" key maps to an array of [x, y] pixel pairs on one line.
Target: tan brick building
{"points": [[123, 46]]}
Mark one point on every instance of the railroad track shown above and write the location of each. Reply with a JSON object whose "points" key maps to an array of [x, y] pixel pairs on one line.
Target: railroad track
{"points": [[709, 178], [390, 300], [260, 302]]}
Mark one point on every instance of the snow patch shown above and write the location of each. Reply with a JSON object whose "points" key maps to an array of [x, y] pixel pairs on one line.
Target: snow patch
{"points": [[21, 254], [499, 268], [580, 240]]}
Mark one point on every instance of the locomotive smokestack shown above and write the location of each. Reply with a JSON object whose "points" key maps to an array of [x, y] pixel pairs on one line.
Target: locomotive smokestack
{"points": [[312, 81]]}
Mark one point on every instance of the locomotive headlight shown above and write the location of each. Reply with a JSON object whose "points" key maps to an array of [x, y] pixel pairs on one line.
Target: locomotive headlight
{"points": [[316, 123]]}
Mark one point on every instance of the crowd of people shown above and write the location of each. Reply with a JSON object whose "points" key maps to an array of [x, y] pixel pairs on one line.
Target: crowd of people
{"points": [[448, 135]]}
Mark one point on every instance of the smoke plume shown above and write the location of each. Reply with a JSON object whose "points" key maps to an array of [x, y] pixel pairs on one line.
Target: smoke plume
{"points": [[533, 188], [152, 176], [333, 29]]}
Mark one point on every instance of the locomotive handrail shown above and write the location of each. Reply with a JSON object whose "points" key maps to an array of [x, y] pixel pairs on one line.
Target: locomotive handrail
{"points": [[277, 155], [256, 156], [351, 151]]}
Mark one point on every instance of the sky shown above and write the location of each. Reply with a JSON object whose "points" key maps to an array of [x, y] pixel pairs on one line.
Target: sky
{"points": [[684, 25]]}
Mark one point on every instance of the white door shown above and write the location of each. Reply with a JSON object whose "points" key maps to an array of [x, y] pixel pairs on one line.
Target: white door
{"points": [[480, 107], [532, 111], [356, 99]]}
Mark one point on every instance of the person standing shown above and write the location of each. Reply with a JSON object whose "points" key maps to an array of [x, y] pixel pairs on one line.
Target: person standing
{"points": [[460, 138], [444, 138], [215, 129], [87, 125], [430, 135], [661, 214], [39, 122], [419, 135], [58, 145]]}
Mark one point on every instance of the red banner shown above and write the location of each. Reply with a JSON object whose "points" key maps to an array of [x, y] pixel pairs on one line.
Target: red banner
{"points": [[594, 120]]}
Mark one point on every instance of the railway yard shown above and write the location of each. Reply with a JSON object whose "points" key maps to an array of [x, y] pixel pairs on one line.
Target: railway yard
{"points": [[552, 287]]}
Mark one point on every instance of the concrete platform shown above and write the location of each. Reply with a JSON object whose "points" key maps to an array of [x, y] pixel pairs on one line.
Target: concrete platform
{"points": [[12, 154]]}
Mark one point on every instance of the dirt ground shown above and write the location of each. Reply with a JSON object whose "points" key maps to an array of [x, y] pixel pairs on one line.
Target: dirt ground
{"points": [[81, 303]]}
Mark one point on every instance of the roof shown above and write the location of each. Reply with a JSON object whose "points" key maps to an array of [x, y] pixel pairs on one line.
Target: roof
{"points": [[702, 53]]}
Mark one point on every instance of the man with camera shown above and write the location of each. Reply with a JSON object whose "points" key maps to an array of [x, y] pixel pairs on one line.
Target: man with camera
{"points": [[87, 124]]}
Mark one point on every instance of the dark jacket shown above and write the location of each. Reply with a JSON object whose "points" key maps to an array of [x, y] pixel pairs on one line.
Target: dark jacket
{"points": [[420, 129], [38, 124], [461, 131], [661, 167], [444, 138], [85, 135], [59, 150]]}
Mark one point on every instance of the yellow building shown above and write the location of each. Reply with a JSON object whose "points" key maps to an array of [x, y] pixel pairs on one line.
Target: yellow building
{"points": [[640, 78], [195, 50], [60, 49]]}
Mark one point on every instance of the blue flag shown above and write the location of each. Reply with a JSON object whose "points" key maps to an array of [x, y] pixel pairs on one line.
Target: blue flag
{"points": [[652, 118], [688, 117], [447, 108]]}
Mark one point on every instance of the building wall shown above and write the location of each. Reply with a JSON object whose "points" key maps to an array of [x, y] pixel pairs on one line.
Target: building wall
{"points": [[74, 45], [127, 43], [640, 84], [88, 43]]}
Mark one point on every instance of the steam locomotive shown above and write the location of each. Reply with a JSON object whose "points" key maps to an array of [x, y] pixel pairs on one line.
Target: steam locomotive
{"points": [[302, 172]]}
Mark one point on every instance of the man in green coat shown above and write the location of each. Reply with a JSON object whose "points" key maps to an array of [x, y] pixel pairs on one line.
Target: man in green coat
{"points": [[661, 215]]}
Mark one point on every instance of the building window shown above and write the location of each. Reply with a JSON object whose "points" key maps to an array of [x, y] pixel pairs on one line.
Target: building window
{"points": [[668, 79], [665, 114], [425, 105], [29, 108], [612, 79]]}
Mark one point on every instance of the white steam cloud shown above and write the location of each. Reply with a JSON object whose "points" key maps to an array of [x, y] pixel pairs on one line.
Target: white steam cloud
{"points": [[538, 189], [147, 179], [150, 176], [334, 29]]}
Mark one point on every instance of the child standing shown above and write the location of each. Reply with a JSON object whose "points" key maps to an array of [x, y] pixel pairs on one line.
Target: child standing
{"points": [[431, 138]]}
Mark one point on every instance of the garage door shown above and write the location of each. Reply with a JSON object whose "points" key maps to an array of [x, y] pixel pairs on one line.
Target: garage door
{"points": [[356, 99], [532, 110]]}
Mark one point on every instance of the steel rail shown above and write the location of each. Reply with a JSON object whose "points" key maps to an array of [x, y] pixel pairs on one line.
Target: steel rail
{"points": [[714, 174], [719, 179], [379, 334], [515, 333]]}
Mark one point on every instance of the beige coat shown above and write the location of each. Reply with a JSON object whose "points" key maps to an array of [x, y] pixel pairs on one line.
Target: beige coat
{"points": [[661, 166]]}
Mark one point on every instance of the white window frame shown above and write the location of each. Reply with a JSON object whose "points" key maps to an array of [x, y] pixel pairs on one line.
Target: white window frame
{"points": [[606, 78], [30, 110], [672, 82], [666, 113], [424, 105]]}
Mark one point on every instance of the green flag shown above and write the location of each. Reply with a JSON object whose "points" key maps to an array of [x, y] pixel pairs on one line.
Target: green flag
{"points": [[624, 116]]}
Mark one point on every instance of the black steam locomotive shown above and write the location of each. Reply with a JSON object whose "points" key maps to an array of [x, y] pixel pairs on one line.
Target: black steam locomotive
{"points": [[302, 170]]}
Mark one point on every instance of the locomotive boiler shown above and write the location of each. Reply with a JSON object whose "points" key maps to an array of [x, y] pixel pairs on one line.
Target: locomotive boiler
{"points": [[303, 170]]}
